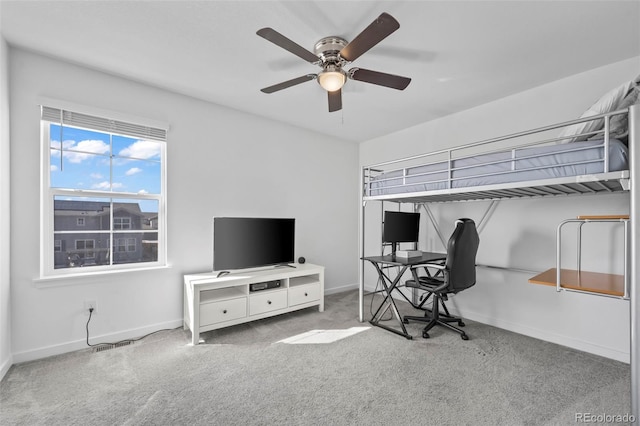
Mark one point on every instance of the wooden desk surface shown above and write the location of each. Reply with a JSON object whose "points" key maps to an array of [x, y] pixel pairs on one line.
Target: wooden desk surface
{"points": [[595, 282]]}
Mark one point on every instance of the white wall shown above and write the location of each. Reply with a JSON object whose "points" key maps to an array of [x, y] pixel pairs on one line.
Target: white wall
{"points": [[521, 233], [5, 306], [220, 162]]}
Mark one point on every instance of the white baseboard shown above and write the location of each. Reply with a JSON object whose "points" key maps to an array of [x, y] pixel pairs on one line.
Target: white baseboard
{"points": [[5, 366], [340, 289], [76, 345], [548, 336]]}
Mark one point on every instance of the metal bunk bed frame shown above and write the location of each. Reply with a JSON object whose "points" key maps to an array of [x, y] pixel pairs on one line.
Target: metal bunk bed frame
{"points": [[605, 182]]}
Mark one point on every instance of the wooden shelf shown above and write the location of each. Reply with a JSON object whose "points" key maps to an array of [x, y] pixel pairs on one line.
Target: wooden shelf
{"points": [[604, 217], [594, 282]]}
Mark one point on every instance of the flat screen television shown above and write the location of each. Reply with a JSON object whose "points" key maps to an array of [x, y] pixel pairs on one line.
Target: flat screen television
{"points": [[400, 227], [251, 242]]}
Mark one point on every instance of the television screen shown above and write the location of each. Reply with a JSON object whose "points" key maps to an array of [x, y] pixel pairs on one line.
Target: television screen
{"points": [[248, 242], [400, 227]]}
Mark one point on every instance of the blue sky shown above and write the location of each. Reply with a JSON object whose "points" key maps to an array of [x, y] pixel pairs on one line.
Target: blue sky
{"points": [[98, 161]]}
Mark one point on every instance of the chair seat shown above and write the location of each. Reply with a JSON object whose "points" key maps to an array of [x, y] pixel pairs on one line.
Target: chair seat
{"points": [[425, 282]]}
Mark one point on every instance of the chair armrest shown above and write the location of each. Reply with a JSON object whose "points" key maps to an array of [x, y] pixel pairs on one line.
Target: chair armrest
{"points": [[434, 265], [438, 266], [426, 282]]}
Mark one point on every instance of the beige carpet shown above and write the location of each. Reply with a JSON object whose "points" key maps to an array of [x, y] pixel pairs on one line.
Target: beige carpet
{"points": [[241, 375]]}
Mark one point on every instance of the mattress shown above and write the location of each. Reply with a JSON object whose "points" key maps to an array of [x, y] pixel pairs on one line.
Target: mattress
{"points": [[514, 165]]}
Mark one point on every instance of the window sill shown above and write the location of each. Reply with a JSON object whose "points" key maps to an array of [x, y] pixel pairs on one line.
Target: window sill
{"points": [[73, 279]]}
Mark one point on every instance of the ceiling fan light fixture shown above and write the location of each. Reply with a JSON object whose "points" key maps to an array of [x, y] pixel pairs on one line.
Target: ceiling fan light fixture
{"points": [[332, 78]]}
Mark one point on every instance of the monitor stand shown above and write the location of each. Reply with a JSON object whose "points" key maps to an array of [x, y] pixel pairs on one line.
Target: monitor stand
{"points": [[394, 248], [284, 265]]}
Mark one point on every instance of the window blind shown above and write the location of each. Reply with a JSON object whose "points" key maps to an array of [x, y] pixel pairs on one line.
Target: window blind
{"points": [[60, 116]]}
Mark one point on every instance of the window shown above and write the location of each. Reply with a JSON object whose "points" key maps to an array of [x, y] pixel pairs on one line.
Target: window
{"points": [[103, 180], [121, 223], [85, 244], [125, 244], [84, 249]]}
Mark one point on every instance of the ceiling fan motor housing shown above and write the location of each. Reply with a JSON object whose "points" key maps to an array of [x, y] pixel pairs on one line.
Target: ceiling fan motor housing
{"points": [[328, 50]]}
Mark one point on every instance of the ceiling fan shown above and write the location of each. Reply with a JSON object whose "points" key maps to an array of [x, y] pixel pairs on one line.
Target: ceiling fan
{"points": [[333, 53]]}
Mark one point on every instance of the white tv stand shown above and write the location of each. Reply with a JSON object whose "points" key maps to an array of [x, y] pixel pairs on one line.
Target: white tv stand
{"points": [[212, 302]]}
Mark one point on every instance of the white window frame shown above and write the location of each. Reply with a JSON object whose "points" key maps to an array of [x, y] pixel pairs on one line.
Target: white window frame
{"points": [[48, 194]]}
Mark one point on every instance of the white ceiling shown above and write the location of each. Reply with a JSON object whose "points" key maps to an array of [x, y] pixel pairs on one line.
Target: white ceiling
{"points": [[459, 54]]}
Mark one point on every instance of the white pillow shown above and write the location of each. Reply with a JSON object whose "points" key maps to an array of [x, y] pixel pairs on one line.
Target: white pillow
{"points": [[619, 124], [607, 103]]}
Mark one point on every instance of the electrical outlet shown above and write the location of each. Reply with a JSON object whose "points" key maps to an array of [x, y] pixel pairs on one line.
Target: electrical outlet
{"points": [[91, 304]]}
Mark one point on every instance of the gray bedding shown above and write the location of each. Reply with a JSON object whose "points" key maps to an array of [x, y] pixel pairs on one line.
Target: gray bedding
{"points": [[572, 159]]}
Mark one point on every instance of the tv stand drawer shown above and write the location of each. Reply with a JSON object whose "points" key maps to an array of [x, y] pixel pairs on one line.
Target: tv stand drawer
{"points": [[225, 310], [304, 294], [267, 301]]}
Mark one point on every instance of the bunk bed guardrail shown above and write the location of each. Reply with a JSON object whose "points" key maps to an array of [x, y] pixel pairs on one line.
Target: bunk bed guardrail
{"points": [[586, 162]]}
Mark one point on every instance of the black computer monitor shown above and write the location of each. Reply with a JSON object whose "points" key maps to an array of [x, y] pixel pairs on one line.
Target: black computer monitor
{"points": [[400, 227]]}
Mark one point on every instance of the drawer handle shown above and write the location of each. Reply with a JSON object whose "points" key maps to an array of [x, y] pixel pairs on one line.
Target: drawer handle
{"points": [[269, 302], [224, 312], [306, 294]]}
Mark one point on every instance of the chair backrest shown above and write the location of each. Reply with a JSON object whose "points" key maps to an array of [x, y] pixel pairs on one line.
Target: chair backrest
{"points": [[460, 272]]}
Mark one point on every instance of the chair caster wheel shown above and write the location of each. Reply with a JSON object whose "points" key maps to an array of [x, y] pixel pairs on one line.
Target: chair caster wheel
{"points": [[425, 335], [465, 337], [461, 324]]}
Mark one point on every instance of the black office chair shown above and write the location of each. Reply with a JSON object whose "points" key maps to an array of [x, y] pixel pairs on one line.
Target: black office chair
{"points": [[456, 273]]}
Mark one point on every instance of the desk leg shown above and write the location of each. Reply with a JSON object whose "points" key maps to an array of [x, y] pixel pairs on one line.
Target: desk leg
{"points": [[390, 303]]}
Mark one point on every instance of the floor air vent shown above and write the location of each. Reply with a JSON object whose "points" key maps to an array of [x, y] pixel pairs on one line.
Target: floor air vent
{"points": [[107, 346]]}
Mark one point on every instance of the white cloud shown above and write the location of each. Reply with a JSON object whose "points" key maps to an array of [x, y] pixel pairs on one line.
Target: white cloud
{"points": [[141, 149], [143, 191], [96, 176], [97, 146], [105, 185], [70, 147], [132, 171], [54, 168]]}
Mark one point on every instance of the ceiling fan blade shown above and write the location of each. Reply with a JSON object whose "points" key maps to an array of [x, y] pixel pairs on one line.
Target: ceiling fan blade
{"points": [[379, 78], [288, 83], [377, 31], [278, 39], [335, 100]]}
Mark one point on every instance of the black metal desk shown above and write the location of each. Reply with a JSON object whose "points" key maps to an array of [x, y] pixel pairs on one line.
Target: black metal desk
{"points": [[391, 284]]}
